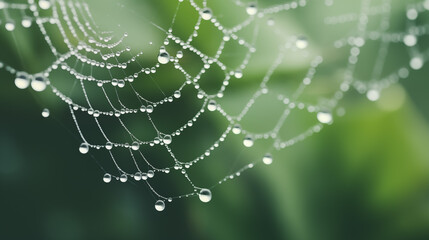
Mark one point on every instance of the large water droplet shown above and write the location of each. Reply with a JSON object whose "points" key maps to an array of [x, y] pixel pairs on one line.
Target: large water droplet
{"points": [[373, 95], [38, 83], [84, 148], [167, 139], [301, 42], [44, 4], [205, 195], [159, 205], [252, 9], [45, 113], [267, 159], [138, 176], [248, 141], [206, 14], [22, 80], [212, 106], [135, 146], [10, 26], [324, 117], [236, 129], [26, 22], [109, 146], [123, 178], [107, 178], [416, 63], [163, 57]]}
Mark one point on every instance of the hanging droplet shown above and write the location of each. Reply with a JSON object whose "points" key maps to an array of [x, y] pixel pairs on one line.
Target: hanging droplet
{"points": [[267, 159], [206, 14], [205, 195], [138, 176], [324, 117], [163, 57], [45, 113], [22, 80], [236, 129], [44, 4], [167, 139], [150, 174], [38, 83], [177, 94], [159, 205], [26, 22], [123, 177], [410, 40], [252, 9], [179, 54], [248, 141], [149, 109], [212, 106], [107, 178], [135, 146], [301, 42], [10, 26], [84, 148], [109, 146], [373, 95], [416, 63]]}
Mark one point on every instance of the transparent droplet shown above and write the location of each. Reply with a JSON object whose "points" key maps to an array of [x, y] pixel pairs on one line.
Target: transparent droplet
{"points": [[301, 42], [123, 178], [238, 74], [107, 178], [248, 141], [267, 159], [236, 129], [206, 14], [45, 113], [44, 4], [205, 195], [26, 22], [416, 63], [143, 108], [163, 57], [144, 176], [109, 146], [324, 117], [38, 83], [212, 106], [177, 94], [22, 80], [149, 109], [373, 95], [135, 146], [159, 205], [150, 174], [179, 54], [138, 176], [167, 139], [410, 40], [84, 148], [252, 9], [10, 26]]}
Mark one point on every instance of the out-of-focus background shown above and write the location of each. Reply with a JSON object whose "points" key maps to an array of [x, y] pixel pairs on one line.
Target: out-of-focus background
{"points": [[364, 177]]}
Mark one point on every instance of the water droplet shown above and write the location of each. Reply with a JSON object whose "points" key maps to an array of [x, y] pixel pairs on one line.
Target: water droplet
{"points": [[267, 159], [159, 205], [179, 54], [248, 141], [150, 174], [138, 176], [45, 113], [373, 95], [123, 177], [107, 178], [163, 57], [301, 42], [410, 40], [212, 106], [84, 148], [109, 146], [10, 26], [22, 80], [252, 9], [324, 117], [416, 63], [167, 139], [206, 14], [38, 83], [177, 94], [236, 129], [149, 109], [205, 195], [44, 4], [135, 146], [26, 22]]}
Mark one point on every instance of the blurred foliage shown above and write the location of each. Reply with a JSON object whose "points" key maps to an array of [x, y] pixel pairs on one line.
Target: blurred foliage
{"points": [[364, 177]]}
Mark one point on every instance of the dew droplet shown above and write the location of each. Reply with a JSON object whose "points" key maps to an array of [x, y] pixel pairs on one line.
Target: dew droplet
{"points": [[123, 177], [416, 63], [236, 129], [159, 205], [206, 14], [177, 94], [107, 178], [45, 113], [167, 139], [248, 141], [44, 4], [212, 106], [10, 26], [267, 159], [324, 117], [163, 57], [150, 174], [38, 83], [252, 9], [410, 40], [373, 95], [138, 176], [179, 54], [26, 22], [301, 42], [205, 195], [84, 148], [22, 80], [109, 146], [135, 146]]}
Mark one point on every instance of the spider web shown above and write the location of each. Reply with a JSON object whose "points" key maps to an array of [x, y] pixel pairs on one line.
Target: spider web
{"points": [[110, 89]]}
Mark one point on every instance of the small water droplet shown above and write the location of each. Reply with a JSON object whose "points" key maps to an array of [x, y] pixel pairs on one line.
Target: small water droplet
{"points": [[135, 146], [248, 141], [205, 195], [252, 9], [159, 205], [22, 80], [167, 139], [236, 129], [267, 159], [206, 14], [301, 42], [123, 177], [138, 176], [212, 106], [107, 178], [150, 174], [324, 117], [44, 4], [38, 83], [373, 95], [45, 113], [163, 57], [177, 94], [109, 146]]}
